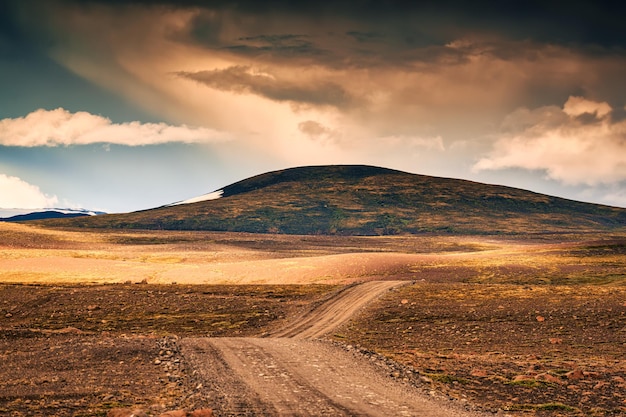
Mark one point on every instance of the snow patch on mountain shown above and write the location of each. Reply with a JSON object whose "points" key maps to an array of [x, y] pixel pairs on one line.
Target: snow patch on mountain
{"points": [[205, 197]]}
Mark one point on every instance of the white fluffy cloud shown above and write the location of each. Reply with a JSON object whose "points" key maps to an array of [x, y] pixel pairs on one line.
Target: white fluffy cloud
{"points": [[61, 127], [576, 144], [17, 193]]}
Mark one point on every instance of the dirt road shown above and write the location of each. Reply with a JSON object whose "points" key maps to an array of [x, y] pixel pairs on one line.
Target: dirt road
{"points": [[335, 311], [288, 374]]}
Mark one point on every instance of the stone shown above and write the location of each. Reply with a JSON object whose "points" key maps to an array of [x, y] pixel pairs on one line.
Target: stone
{"points": [[575, 375], [523, 378], [204, 412], [174, 413], [126, 412], [481, 373], [548, 378], [540, 319]]}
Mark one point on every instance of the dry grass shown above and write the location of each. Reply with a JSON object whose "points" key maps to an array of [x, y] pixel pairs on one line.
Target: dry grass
{"points": [[481, 311], [475, 341]]}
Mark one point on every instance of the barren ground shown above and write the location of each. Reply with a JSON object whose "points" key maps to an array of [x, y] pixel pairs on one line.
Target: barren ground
{"points": [[91, 321]]}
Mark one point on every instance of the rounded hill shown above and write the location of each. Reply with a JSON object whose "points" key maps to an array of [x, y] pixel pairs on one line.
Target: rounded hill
{"points": [[366, 200]]}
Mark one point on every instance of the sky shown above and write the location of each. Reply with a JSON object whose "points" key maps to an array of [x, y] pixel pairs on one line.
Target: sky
{"points": [[126, 105]]}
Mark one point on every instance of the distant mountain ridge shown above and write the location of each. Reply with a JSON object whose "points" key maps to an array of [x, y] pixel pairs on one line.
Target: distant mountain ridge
{"points": [[40, 214], [367, 200]]}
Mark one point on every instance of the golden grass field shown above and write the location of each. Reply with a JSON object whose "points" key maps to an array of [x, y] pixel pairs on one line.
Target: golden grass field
{"points": [[30, 254]]}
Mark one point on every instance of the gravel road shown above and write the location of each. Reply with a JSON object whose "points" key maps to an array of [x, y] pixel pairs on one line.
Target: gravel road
{"points": [[290, 374], [335, 311]]}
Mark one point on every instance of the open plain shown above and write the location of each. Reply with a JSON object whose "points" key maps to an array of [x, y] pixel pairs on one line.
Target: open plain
{"points": [[525, 325]]}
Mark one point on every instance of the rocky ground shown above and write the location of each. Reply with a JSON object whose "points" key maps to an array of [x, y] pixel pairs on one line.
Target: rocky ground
{"points": [[533, 326], [540, 350], [519, 350], [84, 350]]}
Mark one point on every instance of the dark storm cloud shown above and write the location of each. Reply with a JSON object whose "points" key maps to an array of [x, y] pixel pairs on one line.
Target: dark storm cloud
{"points": [[243, 80], [366, 37], [277, 45], [582, 22]]}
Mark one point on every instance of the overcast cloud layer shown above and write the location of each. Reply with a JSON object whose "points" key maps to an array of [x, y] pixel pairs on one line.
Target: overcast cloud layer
{"points": [[477, 91]]}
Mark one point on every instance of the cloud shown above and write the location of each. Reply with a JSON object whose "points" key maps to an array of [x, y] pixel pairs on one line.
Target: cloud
{"points": [[576, 144], [283, 45], [317, 131], [16, 193], [577, 106], [369, 74], [246, 80], [61, 127]]}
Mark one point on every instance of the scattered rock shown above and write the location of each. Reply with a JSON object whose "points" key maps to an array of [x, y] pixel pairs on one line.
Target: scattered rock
{"points": [[405, 301], [8, 315], [548, 378], [481, 373], [174, 413], [126, 412], [204, 412], [541, 319], [556, 340], [523, 378], [575, 375], [67, 330]]}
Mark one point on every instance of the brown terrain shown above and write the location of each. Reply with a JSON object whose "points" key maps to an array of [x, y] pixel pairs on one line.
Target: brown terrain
{"points": [[94, 321]]}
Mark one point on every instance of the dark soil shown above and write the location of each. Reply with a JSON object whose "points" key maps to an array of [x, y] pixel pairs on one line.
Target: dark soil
{"points": [[82, 350], [506, 347]]}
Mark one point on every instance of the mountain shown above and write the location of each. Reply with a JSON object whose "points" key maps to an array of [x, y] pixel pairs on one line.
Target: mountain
{"points": [[21, 215], [366, 200]]}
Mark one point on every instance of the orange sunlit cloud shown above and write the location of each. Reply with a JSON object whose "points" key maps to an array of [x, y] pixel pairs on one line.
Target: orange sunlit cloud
{"points": [[578, 143]]}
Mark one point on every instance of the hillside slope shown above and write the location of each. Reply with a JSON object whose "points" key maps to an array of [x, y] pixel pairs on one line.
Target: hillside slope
{"points": [[365, 200]]}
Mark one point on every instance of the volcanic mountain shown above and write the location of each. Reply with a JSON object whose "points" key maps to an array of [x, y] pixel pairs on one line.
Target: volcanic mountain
{"points": [[366, 200]]}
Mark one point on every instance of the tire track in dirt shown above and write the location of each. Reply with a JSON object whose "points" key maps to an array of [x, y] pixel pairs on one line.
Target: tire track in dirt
{"points": [[289, 374], [336, 311]]}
